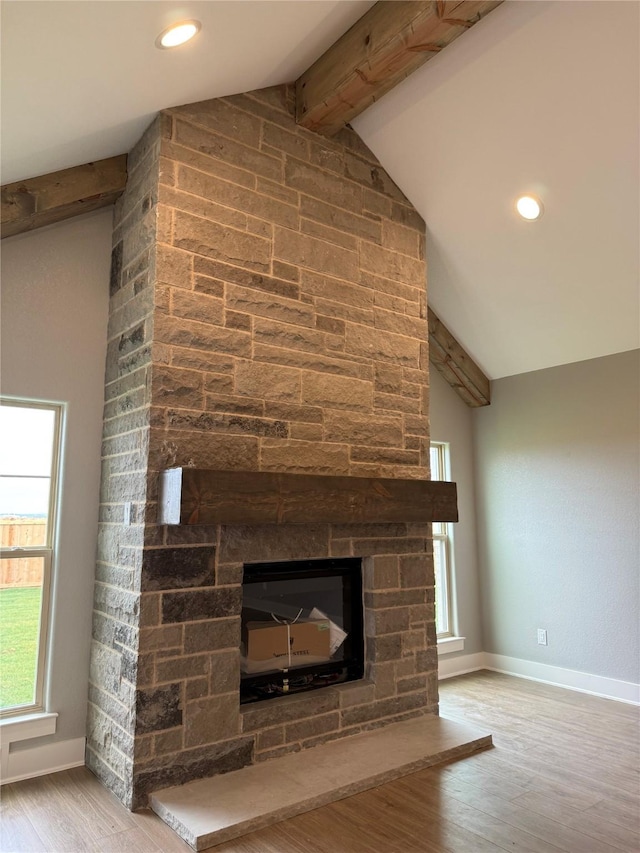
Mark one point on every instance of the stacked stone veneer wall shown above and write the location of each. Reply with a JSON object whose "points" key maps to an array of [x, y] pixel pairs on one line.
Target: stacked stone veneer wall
{"points": [[269, 314]]}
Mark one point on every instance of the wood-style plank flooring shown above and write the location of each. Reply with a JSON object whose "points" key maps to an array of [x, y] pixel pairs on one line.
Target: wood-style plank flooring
{"points": [[563, 776]]}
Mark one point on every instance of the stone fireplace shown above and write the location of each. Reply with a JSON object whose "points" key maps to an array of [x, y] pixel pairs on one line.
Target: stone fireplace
{"points": [[268, 314]]}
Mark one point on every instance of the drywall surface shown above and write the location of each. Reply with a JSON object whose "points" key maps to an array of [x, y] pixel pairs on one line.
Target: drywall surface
{"points": [[452, 422], [557, 455], [55, 292]]}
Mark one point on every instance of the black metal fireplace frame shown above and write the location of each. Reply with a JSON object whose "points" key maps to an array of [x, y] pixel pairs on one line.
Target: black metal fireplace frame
{"points": [[256, 687]]}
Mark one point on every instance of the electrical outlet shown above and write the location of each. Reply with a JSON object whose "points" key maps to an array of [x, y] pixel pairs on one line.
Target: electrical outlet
{"points": [[542, 636]]}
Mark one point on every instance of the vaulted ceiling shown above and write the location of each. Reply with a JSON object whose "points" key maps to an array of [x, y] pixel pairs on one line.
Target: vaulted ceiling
{"points": [[539, 96]]}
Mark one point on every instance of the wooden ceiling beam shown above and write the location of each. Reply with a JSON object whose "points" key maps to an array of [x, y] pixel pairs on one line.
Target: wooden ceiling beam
{"points": [[393, 39], [60, 195], [456, 365]]}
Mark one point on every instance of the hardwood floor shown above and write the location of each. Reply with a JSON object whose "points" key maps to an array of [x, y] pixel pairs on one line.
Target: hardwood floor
{"points": [[563, 776]]}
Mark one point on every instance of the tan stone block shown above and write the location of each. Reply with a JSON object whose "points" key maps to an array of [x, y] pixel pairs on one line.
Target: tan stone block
{"points": [[376, 203], [385, 456], [330, 235], [234, 404], [278, 191], [235, 320], [222, 422], [178, 668], [306, 432], [395, 304], [197, 306], [208, 165], [167, 172], [174, 266], [346, 312], [169, 741], [328, 288], [200, 205], [372, 176], [312, 726], [259, 304], [382, 346], [222, 117], [270, 332], [392, 265], [260, 227], [408, 241], [417, 425], [216, 241], [246, 278], [163, 637], [288, 412], [173, 386], [413, 641], [336, 392], [327, 157], [330, 324], [218, 383], [270, 738], [190, 333], [362, 429], [286, 271], [201, 360], [388, 378], [236, 198], [412, 442], [268, 381], [225, 672], [351, 223], [211, 719], [405, 214], [391, 621], [287, 349], [292, 143], [255, 104], [416, 570], [323, 185], [210, 286], [383, 676], [410, 293], [412, 327], [304, 457], [229, 151], [199, 449], [355, 693], [305, 251], [212, 635], [382, 572], [396, 403]]}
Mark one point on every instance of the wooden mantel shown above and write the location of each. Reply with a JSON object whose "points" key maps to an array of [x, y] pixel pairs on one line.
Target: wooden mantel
{"points": [[197, 496]]}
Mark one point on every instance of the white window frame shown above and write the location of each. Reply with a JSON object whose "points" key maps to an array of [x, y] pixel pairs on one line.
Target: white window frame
{"points": [[442, 533], [45, 551]]}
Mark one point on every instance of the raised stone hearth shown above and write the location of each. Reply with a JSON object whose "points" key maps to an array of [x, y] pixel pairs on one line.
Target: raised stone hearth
{"points": [[212, 811], [268, 314]]}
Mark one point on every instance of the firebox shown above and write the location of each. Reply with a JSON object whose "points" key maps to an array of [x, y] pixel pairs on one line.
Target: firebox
{"points": [[302, 626]]}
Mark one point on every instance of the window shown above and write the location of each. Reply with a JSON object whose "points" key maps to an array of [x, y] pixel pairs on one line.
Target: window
{"points": [[29, 454], [442, 547]]}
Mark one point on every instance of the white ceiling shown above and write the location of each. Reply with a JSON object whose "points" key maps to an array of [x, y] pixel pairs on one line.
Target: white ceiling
{"points": [[538, 96]]}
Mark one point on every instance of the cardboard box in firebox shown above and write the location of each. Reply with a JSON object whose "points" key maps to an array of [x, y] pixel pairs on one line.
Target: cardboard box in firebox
{"points": [[273, 645]]}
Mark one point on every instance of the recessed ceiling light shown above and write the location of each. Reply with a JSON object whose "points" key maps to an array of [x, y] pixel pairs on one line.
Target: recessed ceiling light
{"points": [[178, 34], [529, 207]]}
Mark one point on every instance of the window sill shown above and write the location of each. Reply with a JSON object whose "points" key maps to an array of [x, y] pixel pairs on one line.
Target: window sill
{"points": [[24, 727], [448, 645], [27, 726]]}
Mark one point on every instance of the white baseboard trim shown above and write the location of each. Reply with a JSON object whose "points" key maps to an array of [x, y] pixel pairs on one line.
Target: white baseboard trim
{"points": [[582, 682], [449, 667], [41, 760]]}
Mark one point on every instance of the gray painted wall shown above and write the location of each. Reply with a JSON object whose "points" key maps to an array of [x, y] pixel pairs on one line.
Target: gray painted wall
{"points": [[557, 481], [55, 292], [452, 421]]}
